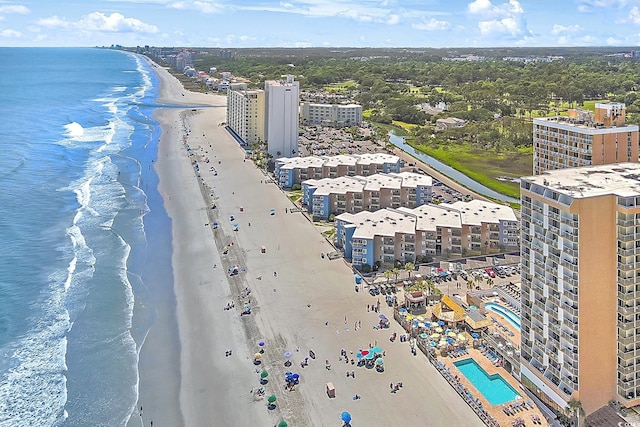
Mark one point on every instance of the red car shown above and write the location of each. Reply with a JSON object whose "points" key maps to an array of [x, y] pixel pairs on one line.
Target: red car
{"points": [[490, 272]]}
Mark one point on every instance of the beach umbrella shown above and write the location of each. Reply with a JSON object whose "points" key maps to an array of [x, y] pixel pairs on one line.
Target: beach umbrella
{"points": [[369, 356], [402, 310], [295, 376], [380, 361], [451, 334], [449, 340], [382, 316], [420, 318], [283, 424], [287, 354], [439, 330], [261, 343], [475, 335], [345, 416], [423, 336], [435, 336], [271, 398], [440, 323], [432, 344], [462, 337], [375, 350], [409, 317], [264, 374], [427, 324]]}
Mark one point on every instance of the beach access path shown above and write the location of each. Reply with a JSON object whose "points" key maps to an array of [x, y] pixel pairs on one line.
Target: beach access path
{"points": [[310, 304]]}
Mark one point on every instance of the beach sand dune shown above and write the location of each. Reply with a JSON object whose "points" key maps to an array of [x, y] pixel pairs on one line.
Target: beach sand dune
{"points": [[309, 304]]}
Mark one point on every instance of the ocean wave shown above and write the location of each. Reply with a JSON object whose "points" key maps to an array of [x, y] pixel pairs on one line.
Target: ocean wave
{"points": [[33, 391]]}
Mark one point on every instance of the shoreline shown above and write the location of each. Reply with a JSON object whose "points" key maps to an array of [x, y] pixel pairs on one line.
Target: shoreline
{"points": [[309, 304]]}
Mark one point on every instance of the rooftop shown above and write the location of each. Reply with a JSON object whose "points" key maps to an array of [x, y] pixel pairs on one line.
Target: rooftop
{"points": [[619, 179], [475, 212]]}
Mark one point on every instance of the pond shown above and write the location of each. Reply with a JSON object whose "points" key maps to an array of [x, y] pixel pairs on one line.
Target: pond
{"points": [[457, 176]]}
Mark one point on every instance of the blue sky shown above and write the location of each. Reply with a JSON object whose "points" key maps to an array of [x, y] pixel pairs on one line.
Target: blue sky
{"points": [[306, 23]]}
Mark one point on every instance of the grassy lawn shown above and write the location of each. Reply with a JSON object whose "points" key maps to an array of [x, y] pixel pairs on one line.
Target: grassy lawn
{"points": [[342, 86], [485, 166]]}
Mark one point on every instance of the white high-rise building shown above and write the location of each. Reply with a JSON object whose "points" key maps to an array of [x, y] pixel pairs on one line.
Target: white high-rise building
{"points": [[281, 99]]}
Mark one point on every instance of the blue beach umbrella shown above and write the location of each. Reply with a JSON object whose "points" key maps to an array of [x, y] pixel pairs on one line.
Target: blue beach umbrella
{"points": [[375, 350], [474, 335], [423, 336], [440, 323], [427, 324], [345, 416], [432, 344], [449, 340], [402, 310]]}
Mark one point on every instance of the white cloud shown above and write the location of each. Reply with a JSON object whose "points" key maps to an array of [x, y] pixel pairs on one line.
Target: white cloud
{"points": [[591, 5], [563, 29], [10, 34], [393, 19], [500, 19], [634, 15], [200, 6], [99, 22], [487, 9], [54, 22], [502, 26], [432, 25], [14, 8]]}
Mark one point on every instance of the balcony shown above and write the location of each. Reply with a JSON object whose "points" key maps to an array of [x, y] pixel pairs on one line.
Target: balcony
{"points": [[627, 340]]}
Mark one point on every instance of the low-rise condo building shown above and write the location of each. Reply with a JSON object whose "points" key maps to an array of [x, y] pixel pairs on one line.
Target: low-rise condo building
{"points": [[583, 138], [425, 232], [334, 196], [335, 115], [293, 170], [580, 254]]}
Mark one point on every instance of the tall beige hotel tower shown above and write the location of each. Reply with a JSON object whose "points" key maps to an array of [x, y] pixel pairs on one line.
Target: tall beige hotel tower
{"points": [[580, 255], [584, 138]]}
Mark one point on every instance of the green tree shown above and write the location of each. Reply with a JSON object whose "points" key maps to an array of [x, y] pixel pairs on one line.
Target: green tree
{"points": [[409, 267], [396, 271], [388, 274], [575, 410]]}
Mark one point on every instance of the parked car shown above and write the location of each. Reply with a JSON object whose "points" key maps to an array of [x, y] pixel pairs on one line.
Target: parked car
{"points": [[491, 273]]}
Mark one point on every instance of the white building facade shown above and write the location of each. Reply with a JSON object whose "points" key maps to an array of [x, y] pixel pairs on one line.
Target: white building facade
{"points": [[281, 118]]}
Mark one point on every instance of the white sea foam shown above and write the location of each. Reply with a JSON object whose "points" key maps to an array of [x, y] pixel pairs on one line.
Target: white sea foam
{"points": [[74, 130]]}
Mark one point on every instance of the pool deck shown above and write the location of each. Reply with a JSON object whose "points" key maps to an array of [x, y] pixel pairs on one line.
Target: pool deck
{"points": [[495, 411]]}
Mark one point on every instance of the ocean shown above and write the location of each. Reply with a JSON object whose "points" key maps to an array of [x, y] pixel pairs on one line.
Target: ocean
{"points": [[85, 242]]}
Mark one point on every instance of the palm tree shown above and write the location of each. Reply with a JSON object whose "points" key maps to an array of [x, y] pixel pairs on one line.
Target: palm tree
{"points": [[470, 284], [490, 282], [396, 272], [575, 409], [431, 286], [409, 267], [478, 279], [388, 274]]}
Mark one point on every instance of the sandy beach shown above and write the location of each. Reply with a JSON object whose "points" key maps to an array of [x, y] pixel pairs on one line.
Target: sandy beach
{"points": [[299, 301]]}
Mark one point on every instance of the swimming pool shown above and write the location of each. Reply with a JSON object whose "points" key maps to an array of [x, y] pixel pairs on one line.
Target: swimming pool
{"points": [[509, 315], [493, 387]]}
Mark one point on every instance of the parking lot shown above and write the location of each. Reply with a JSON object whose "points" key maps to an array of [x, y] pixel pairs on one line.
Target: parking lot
{"points": [[457, 277]]}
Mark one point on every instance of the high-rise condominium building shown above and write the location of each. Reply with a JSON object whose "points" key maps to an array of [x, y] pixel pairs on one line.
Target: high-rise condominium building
{"points": [[583, 138], [580, 254], [281, 98], [245, 114]]}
